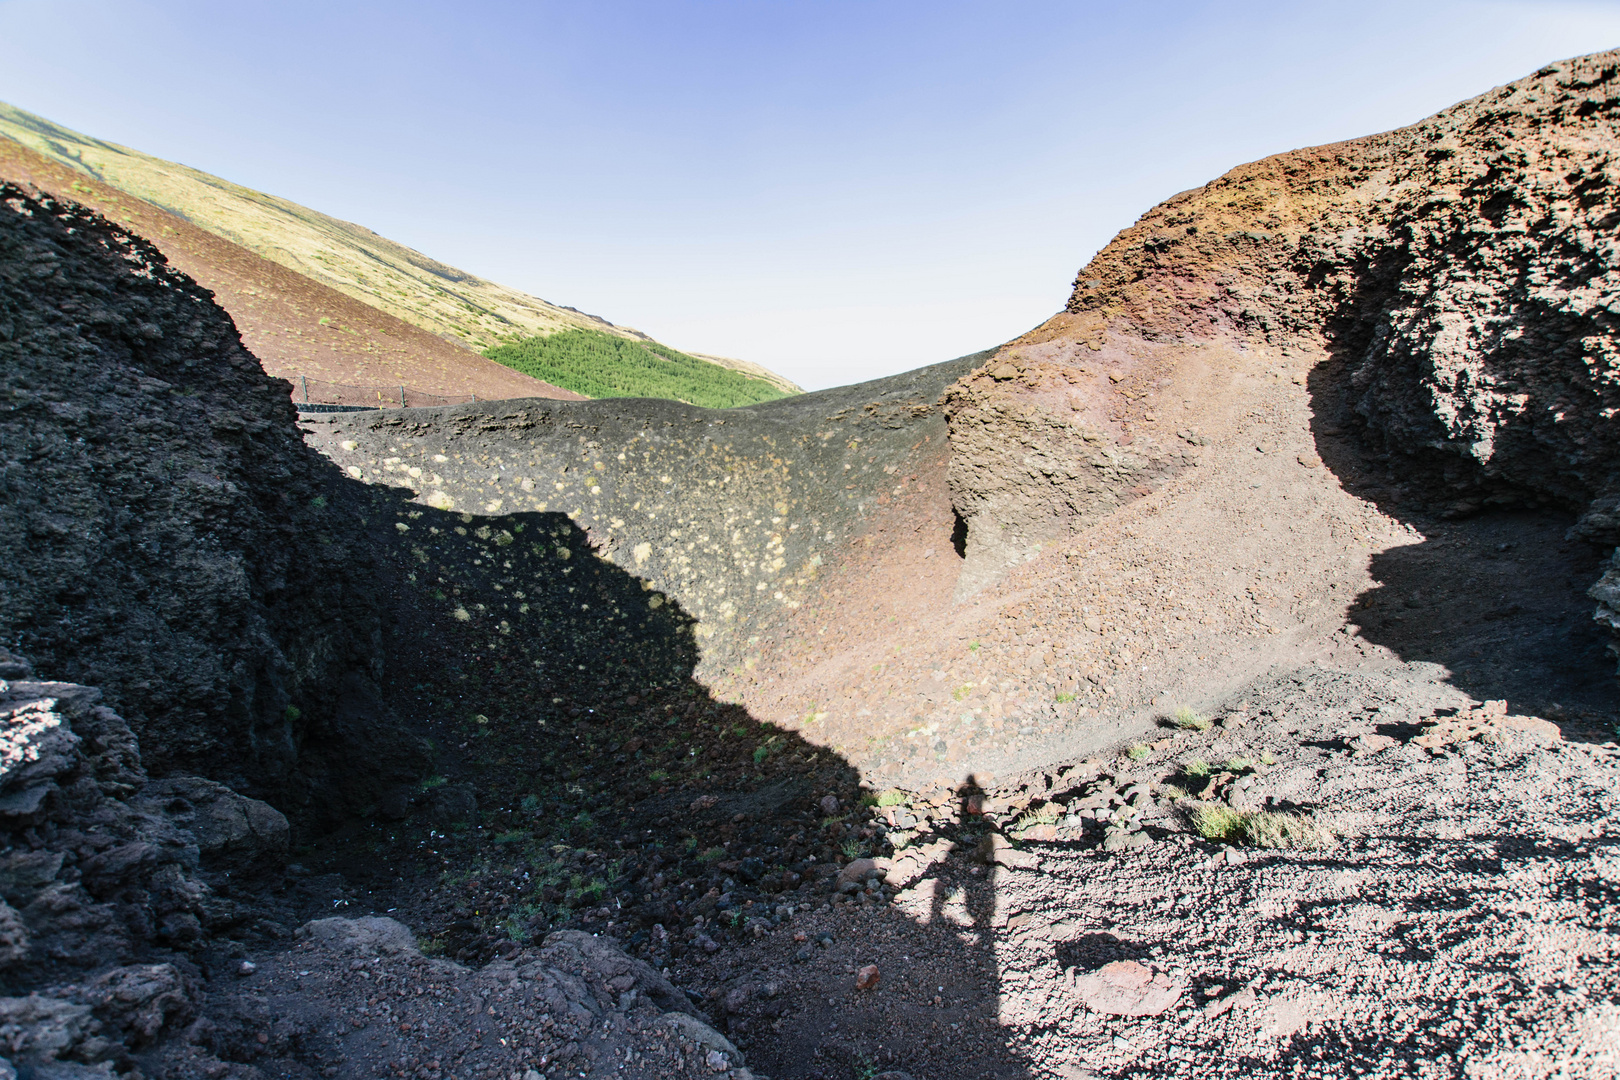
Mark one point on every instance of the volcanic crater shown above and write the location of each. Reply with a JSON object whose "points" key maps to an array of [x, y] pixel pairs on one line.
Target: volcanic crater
{"points": [[1206, 682]]}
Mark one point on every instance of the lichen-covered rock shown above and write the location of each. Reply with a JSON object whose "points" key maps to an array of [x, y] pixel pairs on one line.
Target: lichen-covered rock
{"points": [[721, 523]]}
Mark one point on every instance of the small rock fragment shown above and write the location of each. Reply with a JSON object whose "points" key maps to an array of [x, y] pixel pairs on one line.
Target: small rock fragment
{"points": [[856, 870], [867, 977]]}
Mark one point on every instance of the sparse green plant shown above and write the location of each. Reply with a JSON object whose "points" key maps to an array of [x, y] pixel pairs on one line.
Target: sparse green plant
{"points": [[714, 854], [1237, 765], [1268, 758], [1034, 817], [850, 848], [961, 693], [1259, 828], [515, 836], [767, 748], [531, 803], [1064, 697], [973, 646], [1188, 719], [1270, 830], [1214, 821], [1138, 752], [658, 776], [318, 502], [1197, 769], [892, 797], [291, 714], [435, 781], [431, 946]]}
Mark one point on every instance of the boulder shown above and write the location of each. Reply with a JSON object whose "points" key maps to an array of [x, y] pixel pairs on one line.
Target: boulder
{"points": [[370, 936], [231, 830]]}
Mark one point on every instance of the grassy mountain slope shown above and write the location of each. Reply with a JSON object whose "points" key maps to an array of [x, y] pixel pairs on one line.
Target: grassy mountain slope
{"points": [[601, 365], [295, 326], [449, 303]]}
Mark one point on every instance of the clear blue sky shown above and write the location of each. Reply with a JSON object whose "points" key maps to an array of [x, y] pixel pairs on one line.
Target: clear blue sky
{"points": [[836, 190]]}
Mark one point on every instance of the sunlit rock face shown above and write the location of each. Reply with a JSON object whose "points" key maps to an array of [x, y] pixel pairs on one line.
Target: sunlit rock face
{"points": [[1460, 273]]}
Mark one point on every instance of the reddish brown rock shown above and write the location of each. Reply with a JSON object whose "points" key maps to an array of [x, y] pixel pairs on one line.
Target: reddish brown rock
{"points": [[1126, 988]]}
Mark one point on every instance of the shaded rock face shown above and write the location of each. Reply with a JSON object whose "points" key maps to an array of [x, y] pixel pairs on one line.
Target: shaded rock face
{"points": [[574, 1000], [98, 865], [731, 514], [164, 527], [1460, 271]]}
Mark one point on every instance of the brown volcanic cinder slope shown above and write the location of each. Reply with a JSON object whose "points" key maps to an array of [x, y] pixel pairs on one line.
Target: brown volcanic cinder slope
{"points": [[1464, 268], [294, 325]]}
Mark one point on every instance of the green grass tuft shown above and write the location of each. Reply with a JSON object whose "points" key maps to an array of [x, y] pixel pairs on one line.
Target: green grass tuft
{"points": [[1189, 720], [1029, 819], [1138, 752], [1286, 831], [603, 365], [1213, 821], [1262, 829]]}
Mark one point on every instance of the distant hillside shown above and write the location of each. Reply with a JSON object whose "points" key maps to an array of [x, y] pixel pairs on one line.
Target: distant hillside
{"points": [[601, 365], [298, 328], [442, 300]]}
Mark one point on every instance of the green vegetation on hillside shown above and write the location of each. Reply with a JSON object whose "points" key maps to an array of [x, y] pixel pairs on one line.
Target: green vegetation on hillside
{"points": [[601, 365]]}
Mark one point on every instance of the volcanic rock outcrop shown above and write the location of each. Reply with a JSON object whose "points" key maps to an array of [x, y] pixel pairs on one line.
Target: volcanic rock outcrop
{"points": [[167, 534], [1460, 274]]}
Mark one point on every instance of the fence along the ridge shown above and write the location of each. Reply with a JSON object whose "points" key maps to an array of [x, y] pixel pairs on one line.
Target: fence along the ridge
{"points": [[306, 391]]}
